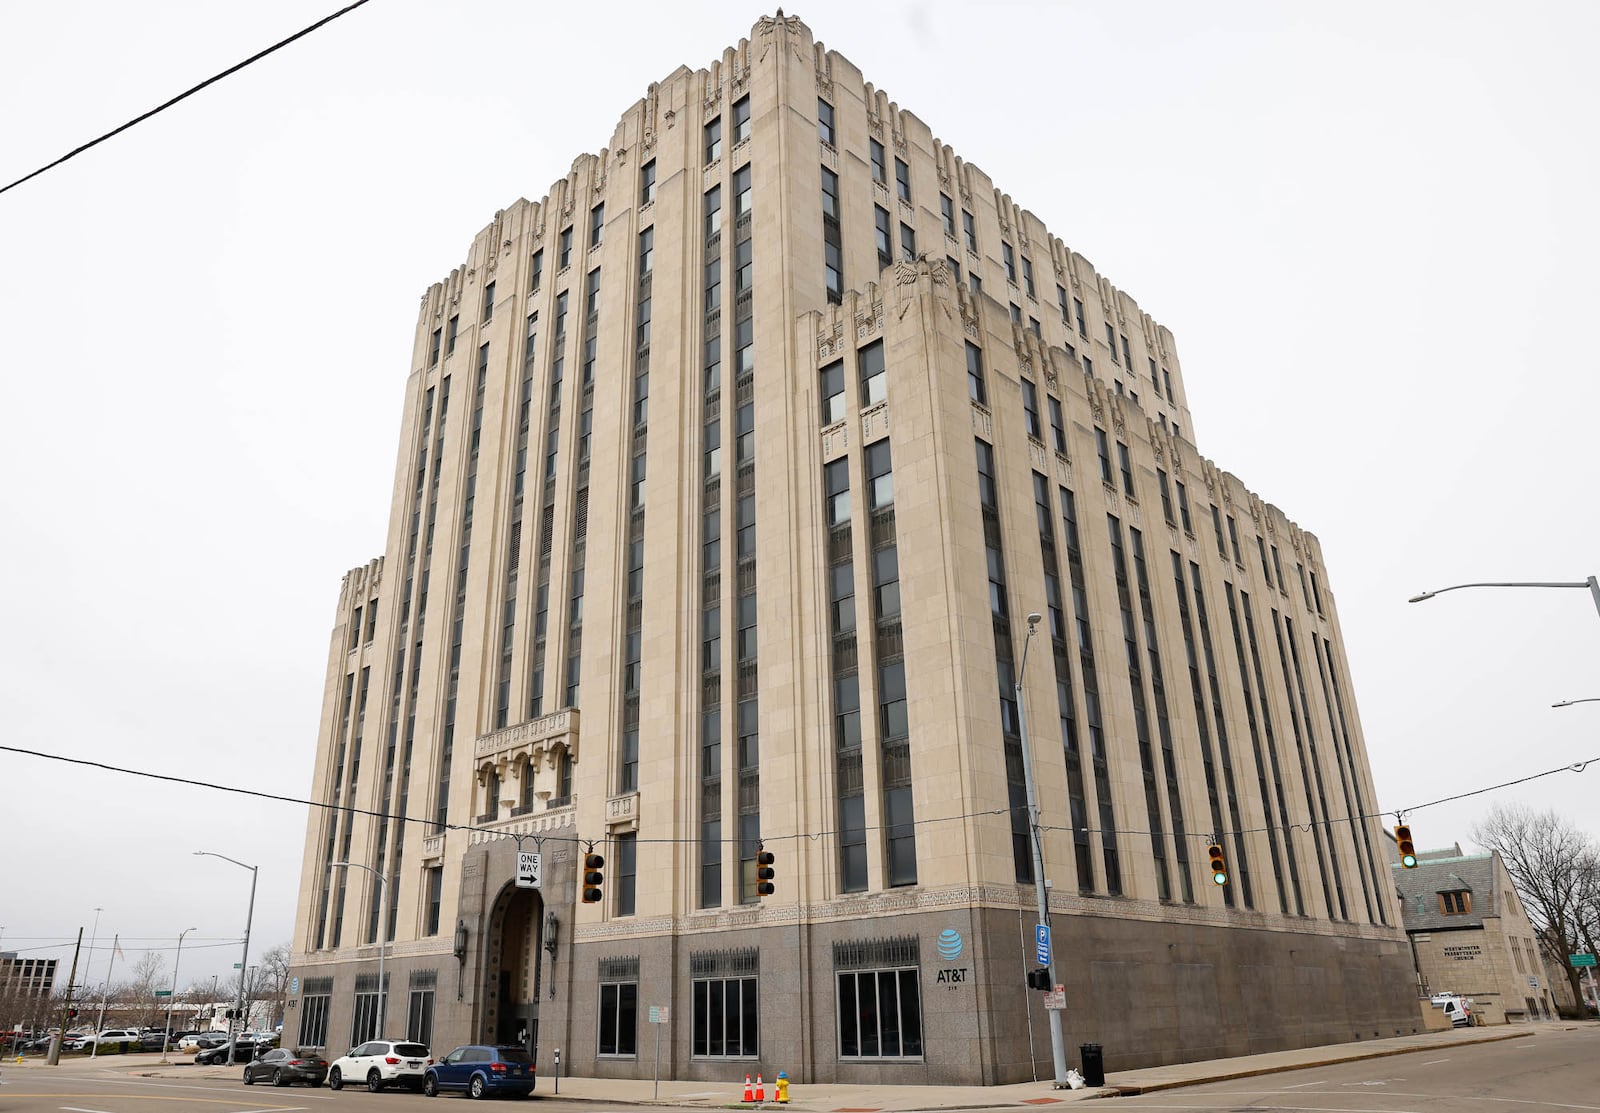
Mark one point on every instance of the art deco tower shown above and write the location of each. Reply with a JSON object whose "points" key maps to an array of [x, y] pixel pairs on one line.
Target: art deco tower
{"points": [[729, 472]]}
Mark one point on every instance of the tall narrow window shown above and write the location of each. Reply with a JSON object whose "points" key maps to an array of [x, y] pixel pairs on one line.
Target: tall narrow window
{"points": [[713, 140], [626, 873], [880, 218], [565, 243], [869, 366], [433, 349], [1058, 430], [879, 166], [1027, 276], [488, 303], [597, 224], [1103, 450], [947, 216], [647, 183], [535, 271], [833, 407], [741, 120], [975, 384], [825, 121], [1126, 464], [908, 242], [451, 333], [969, 231], [1030, 410], [902, 180], [1008, 259]]}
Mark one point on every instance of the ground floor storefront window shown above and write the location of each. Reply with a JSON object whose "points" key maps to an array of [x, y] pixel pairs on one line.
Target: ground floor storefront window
{"points": [[879, 998], [726, 1004], [619, 1006]]}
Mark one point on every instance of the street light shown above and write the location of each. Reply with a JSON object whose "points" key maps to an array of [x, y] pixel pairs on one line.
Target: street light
{"points": [[1058, 1046], [1570, 702], [249, 916], [1592, 583], [383, 932], [173, 996]]}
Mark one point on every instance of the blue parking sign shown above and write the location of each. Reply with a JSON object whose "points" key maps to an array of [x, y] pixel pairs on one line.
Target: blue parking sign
{"points": [[1041, 943]]}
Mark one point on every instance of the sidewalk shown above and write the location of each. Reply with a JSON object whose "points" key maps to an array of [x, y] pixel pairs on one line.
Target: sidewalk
{"points": [[852, 1098]]}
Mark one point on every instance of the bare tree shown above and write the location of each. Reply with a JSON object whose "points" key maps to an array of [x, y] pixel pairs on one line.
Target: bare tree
{"points": [[138, 993], [1549, 860], [274, 978]]}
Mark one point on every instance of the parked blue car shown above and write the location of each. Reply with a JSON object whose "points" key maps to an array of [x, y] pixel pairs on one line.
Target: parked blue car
{"points": [[482, 1071]]}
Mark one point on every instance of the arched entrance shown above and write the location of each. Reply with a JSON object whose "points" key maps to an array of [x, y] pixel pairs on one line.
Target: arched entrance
{"points": [[513, 970]]}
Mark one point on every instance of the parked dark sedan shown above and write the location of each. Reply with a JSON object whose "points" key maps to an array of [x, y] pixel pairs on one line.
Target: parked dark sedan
{"points": [[243, 1052], [283, 1067]]}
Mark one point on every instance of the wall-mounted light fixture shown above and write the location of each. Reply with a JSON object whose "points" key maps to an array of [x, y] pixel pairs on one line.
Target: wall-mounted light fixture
{"points": [[552, 930]]}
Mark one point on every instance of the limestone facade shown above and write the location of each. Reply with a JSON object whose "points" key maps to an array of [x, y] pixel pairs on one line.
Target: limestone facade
{"points": [[729, 474]]}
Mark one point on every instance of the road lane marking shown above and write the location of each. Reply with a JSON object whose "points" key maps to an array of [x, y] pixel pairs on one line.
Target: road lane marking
{"points": [[1435, 1062], [171, 1084], [76, 1109], [1303, 1085]]}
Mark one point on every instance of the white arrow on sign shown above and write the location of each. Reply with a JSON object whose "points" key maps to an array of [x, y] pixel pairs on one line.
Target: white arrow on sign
{"points": [[528, 870]]}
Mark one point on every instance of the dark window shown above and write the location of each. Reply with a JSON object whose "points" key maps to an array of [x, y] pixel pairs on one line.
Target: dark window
{"points": [[488, 302], [435, 893], [1027, 277], [647, 251], [1183, 509], [869, 366], [726, 1018], [880, 475], [830, 194], [433, 348], [1457, 903], [647, 183], [1127, 469], [955, 268], [713, 209], [1166, 496], [908, 242], [626, 872], [1077, 312], [825, 121], [1008, 259], [879, 171], [565, 259], [1103, 450], [969, 231], [714, 140], [1127, 356], [741, 192], [833, 408], [1030, 410], [975, 386], [880, 1014], [880, 218], [451, 333], [536, 269], [1057, 429], [947, 215], [741, 120], [1111, 341], [619, 1018], [902, 180], [597, 225]]}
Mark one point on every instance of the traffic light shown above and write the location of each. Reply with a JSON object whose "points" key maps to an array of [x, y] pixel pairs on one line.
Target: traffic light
{"points": [[72, 1014], [1408, 849], [1219, 865], [765, 873], [593, 878], [1040, 979]]}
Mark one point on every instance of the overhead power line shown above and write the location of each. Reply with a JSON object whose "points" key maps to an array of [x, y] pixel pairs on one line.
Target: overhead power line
{"points": [[212, 80], [1571, 767]]}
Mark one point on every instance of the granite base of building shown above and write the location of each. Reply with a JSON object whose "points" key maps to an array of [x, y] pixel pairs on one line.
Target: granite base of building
{"points": [[916, 998]]}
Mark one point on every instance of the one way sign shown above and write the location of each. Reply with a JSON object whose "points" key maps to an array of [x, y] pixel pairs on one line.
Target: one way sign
{"points": [[528, 870]]}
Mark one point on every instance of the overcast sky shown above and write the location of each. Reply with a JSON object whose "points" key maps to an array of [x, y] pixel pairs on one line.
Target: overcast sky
{"points": [[1371, 226]]}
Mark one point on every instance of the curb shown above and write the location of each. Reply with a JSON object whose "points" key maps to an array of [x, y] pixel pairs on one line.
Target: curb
{"points": [[1131, 1090]]}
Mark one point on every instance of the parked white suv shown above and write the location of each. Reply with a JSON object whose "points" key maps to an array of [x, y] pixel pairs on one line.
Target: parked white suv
{"points": [[109, 1036], [380, 1063]]}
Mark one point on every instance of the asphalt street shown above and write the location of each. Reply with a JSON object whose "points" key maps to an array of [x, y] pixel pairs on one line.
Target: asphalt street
{"points": [[1552, 1072]]}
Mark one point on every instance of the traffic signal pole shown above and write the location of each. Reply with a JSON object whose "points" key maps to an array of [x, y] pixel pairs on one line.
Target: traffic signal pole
{"points": [[66, 1009], [1058, 1045]]}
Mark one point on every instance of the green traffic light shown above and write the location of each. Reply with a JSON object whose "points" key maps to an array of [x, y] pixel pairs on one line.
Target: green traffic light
{"points": [[1409, 861], [1220, 878]]}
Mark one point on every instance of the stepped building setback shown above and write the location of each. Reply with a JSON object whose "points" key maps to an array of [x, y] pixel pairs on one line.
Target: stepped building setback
{"points": [[729, 474]]}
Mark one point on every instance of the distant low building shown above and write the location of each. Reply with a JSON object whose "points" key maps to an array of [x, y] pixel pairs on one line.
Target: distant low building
{"points": [[1470, 935], [26, 977]]}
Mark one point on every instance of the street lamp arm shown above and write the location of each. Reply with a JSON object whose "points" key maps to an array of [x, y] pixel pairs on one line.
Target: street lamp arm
{"points": [[1570, 702], [224, 857], [1525, 583]]}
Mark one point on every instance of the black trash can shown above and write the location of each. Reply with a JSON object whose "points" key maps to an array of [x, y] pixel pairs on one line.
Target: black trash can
{"points": [[1094, 1066]]}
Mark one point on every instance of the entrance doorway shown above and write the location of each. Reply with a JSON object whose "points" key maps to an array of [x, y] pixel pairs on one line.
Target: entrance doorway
{"points": [[514, 969]]}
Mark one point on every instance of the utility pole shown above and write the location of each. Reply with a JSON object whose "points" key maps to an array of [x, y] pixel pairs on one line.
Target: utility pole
{"points": [[1058, 1044], [66, 1009], [105, 993]]}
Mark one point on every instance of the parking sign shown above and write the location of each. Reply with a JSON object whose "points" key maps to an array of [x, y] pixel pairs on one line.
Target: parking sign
{"points": [[1041, 943]]}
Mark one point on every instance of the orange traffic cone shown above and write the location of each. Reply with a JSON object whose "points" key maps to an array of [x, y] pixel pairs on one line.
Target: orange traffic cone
{"points": [[749, 1094], [761, 1089]]}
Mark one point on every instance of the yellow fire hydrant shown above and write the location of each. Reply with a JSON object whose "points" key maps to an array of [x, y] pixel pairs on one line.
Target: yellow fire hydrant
{"points": [[782, 1088]]}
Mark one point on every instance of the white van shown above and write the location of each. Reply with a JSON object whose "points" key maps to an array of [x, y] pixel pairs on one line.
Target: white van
{"points": [[1458, 1012]]}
